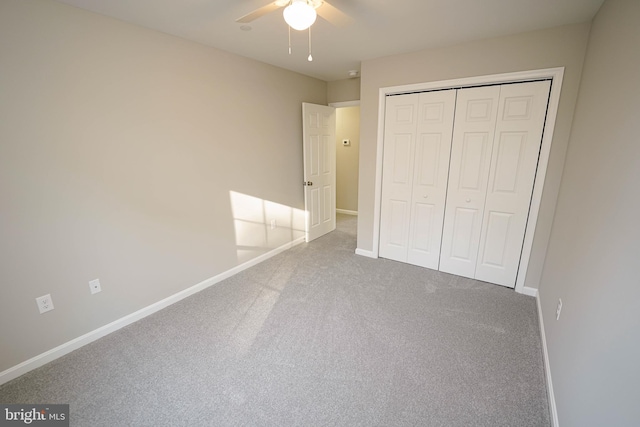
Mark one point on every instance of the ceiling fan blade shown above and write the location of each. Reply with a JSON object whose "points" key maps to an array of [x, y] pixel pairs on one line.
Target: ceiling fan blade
{"points": [[332, 14], [259, 12]]}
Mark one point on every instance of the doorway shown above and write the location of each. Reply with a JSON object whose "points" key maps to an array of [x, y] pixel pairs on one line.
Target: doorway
{"points": [[347, 156]]}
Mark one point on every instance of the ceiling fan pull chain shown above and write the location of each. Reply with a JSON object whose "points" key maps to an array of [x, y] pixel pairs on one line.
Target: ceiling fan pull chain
{"points": [[310, 58], [289, 40]]}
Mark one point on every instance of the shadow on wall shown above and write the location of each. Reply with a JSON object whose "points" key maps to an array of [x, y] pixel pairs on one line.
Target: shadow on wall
{"points": [[261, 225]]}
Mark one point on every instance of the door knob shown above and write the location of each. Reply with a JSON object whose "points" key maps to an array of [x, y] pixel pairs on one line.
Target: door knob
{"points": [[425, 196], [468, 200]]}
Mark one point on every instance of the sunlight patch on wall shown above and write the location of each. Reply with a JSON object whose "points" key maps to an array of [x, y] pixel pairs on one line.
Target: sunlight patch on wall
{"points": [[262, 225]]}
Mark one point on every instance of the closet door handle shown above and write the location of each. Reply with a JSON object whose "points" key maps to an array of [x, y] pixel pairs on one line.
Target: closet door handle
{"points": [[468, 200]]}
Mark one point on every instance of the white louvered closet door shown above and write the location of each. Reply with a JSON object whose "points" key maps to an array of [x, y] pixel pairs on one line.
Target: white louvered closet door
{"points": [[417, 145]]}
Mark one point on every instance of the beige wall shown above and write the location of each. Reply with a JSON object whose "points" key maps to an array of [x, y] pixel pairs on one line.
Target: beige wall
{"points": [[347, 127], [557, 47], [343, 90], [129, 155], [592, 261]]}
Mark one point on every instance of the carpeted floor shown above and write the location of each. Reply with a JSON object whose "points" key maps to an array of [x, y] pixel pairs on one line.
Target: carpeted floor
{"points": [[316, 336]]}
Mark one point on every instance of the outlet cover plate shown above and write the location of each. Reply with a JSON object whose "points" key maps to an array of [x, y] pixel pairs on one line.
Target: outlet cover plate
{"points": [[45, 303], [94, 286]]}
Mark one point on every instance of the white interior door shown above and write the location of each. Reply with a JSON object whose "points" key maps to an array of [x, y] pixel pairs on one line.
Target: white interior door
{"points": [[430, 173], [319, 152], [473, 135], [417, 145], [518, 136], [399, 148]]}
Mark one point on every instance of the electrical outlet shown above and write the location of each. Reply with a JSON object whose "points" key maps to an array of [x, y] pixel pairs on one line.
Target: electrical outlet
{"points": [[559, 309], [273, 224], [94, 286], [45, 303]]}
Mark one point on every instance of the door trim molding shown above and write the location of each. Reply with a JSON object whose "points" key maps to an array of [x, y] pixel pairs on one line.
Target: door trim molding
{"points": [[556, 76]]}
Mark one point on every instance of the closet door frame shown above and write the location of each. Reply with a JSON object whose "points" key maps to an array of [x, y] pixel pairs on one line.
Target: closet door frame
{"points": [[553, 74]]}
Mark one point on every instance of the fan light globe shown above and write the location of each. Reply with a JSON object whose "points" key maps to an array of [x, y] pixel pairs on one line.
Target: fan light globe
{"points": [[299, 15]]}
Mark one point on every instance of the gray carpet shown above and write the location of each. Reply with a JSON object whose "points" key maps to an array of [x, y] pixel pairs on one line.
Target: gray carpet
{"points": [[316, 336]]}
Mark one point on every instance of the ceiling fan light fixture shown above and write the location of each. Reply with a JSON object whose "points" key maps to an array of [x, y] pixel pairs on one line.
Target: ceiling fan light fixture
{"points": [[300, 15]]}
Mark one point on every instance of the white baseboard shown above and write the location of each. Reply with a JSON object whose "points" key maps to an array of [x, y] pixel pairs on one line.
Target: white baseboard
{"points": [[368, 254], [76, 343], [547, 367], [532, 292], [346, 212]]}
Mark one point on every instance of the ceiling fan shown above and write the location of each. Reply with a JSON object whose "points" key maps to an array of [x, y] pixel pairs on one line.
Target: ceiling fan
{"points": [[325, 10]]}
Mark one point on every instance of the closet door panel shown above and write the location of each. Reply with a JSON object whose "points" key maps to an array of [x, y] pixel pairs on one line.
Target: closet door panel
{"points": [[431, 168], [473, 135], [521, 115], [397, 175]]}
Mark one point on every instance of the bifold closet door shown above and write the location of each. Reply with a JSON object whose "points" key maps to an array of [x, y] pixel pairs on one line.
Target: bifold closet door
{"points": [[417, 143], [474, 129], [494, 156], [516, 149]]}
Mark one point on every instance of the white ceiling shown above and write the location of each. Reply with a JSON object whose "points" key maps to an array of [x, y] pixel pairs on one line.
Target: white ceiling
{"points": [[378, 27]]}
